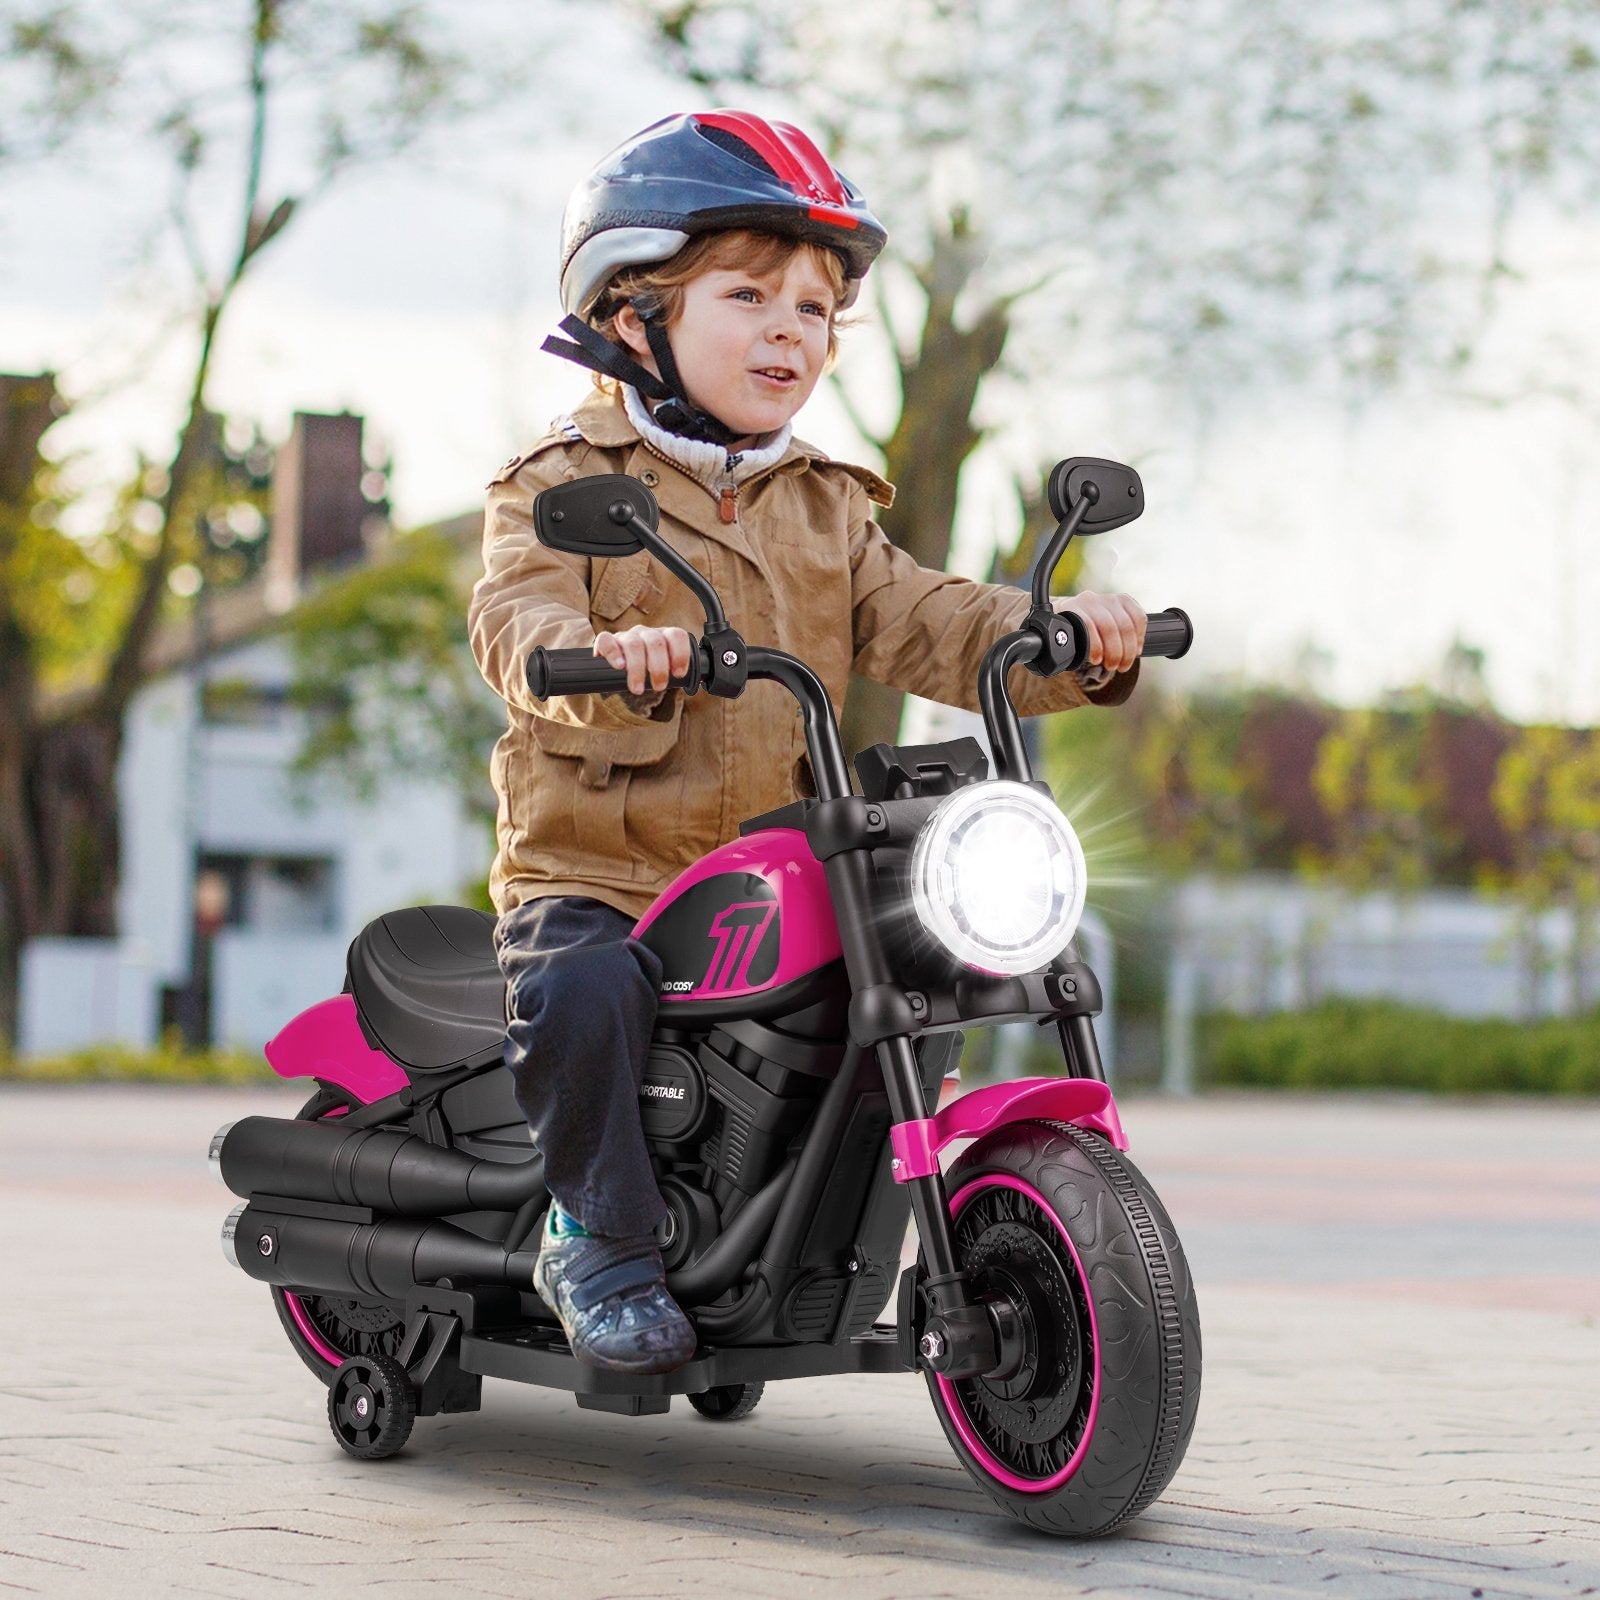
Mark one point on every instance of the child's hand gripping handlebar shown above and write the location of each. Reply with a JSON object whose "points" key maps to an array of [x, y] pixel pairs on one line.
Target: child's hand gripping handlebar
{"points": [[580, 671], [719, 663], [1052, 642]]}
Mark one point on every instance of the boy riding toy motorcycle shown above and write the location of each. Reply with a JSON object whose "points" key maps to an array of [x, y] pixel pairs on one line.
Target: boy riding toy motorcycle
{"points": [[731, 985]]}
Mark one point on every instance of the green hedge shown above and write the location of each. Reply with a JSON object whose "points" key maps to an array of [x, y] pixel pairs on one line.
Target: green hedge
{"points": [[115, 1063], [1377, 1045], [1341, 1044]]}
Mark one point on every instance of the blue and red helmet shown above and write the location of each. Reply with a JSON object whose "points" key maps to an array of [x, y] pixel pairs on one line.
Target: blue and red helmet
{"points": [[706, 171]]}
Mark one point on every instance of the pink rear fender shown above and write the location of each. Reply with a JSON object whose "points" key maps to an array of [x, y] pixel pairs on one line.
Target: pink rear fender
{"points": [[1082, 1101], [325, 1042]]}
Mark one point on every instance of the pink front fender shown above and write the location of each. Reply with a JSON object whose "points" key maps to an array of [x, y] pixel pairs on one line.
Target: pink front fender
{"points": [[325, 1042], [1082, 1101]]}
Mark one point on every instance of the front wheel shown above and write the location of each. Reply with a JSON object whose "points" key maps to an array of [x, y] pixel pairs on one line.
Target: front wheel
{"points": [[1094, 1411]]}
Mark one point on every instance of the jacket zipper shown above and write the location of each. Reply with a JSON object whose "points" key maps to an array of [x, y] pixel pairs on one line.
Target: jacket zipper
{"points": [[725, 494]]}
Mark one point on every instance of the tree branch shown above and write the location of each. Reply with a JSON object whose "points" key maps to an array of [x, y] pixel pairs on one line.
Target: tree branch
{"points": [[857, 421]]}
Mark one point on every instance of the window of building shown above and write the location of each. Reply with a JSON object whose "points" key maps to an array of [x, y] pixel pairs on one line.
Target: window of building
{"points": [[267, 894]]}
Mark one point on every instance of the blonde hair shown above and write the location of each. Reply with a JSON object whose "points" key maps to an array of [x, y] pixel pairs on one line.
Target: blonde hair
{"points": [[658, 285]]}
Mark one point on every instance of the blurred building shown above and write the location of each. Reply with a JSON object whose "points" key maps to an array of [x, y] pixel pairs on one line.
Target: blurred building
{"points": [[242, 887], [1262, 943]]}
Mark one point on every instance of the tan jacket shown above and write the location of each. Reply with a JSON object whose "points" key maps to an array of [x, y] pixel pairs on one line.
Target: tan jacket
{"points": [[599, 797]]}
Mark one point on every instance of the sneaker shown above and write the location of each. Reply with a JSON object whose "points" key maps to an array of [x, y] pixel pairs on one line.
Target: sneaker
{"points": [[611, 1296]]}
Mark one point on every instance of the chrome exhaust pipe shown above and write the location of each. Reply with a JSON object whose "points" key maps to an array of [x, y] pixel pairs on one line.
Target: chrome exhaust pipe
{"points": [[230, 1230], [214, 1154]]}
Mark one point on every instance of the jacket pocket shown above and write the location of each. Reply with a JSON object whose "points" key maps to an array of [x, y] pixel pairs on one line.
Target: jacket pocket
{"points": [[600, 751], [627, 583], [597, 768]]}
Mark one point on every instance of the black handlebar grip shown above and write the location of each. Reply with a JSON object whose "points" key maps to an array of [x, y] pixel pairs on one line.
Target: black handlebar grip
{"points": [[580, 671], [1167, 633]]}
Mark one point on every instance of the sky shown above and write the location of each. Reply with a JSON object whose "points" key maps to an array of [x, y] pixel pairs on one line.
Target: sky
{"points": [[1346, 551]]}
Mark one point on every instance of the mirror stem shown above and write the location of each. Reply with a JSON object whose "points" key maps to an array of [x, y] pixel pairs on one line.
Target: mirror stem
{"points": [[625, 516], [1044, 571]]}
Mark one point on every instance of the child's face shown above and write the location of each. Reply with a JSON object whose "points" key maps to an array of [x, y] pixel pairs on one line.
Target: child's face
{"points": [[749, 346]]}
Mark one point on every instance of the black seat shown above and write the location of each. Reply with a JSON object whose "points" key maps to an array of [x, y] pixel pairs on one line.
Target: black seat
{"points": [[428, 987]]}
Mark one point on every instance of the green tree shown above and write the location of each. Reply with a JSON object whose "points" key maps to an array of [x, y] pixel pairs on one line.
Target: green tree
{"points": [[1547, 794], [51, 75], [383, 669], [1191, 758], [1372, 780]]}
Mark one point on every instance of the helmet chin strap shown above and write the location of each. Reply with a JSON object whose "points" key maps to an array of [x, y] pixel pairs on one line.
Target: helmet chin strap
{"points": [[674, 412]]}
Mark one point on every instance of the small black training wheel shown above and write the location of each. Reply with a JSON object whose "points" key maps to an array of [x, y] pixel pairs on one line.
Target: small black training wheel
{"points": [[728, 1402], [371, 1406]]}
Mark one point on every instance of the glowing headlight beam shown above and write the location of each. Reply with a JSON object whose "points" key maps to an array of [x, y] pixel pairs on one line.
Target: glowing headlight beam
{"points": [[998, 878]]}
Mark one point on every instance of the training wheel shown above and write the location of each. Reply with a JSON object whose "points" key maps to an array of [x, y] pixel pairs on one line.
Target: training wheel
{"points": [[371, 1406]]}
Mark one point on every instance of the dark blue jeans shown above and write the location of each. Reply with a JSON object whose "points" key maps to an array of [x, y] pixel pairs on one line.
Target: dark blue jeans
{"points": [[581, 1002]]}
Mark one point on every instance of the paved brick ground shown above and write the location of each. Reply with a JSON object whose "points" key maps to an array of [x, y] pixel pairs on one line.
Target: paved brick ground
{"points": [[1402, 1395]]}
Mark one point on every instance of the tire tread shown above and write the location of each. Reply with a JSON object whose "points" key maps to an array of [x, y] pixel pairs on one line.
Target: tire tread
{"points": [[1139, 1281]]}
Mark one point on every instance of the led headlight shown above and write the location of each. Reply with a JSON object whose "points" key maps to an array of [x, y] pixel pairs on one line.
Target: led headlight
{"points": [[997, 877]]}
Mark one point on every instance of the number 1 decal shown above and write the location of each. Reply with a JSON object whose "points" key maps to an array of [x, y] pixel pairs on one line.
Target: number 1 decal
{"points": [[738, 931]]}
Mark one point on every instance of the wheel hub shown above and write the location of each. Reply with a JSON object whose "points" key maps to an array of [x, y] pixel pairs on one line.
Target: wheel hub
{"points": [[359, 1403], [1035, 1401], [362, 1315], [371, 1406]]}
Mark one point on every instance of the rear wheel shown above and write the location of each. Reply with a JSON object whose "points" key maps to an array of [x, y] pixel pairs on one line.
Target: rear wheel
{"points": [[1094, 1412], [323, 1329]]}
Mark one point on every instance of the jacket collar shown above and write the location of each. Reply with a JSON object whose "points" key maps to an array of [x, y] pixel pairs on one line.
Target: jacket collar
{"points": [[603, 421], [712, 464]]}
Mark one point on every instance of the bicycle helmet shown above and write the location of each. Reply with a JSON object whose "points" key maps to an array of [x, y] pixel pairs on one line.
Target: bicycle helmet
{"points": [[697, 173]]}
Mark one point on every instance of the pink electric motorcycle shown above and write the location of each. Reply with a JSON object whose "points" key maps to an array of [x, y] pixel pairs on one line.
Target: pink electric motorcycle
{"points": [[817, 971]]}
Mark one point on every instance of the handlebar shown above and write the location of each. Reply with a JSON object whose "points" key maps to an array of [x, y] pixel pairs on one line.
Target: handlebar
{"points": [[719, 664], [578, 671]]}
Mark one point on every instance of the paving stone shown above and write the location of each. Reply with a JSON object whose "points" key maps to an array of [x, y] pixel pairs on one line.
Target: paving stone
{"points": [[1400, 1396]]}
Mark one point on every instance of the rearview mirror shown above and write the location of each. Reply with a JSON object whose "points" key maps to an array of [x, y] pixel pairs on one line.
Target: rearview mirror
{"points": [[577, 517], [1115, 493]]}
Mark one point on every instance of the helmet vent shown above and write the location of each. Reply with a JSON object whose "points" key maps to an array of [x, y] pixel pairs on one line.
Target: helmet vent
{"points": [[735, 146]]}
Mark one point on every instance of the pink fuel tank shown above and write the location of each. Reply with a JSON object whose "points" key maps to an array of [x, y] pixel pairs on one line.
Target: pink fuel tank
{"points": [[752, 918]]}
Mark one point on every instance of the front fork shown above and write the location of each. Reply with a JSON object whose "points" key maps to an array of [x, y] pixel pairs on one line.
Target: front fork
{"points": [[955, 1335], [951, 1331], [958, 1335]]}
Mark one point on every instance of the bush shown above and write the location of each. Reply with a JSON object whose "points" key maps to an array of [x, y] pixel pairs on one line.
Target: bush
{"points": [[116, 1063], [1346, 1044]]}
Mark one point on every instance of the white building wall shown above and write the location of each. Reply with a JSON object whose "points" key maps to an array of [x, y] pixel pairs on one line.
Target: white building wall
{"points": [[185, 789], [81, 992], [260, 981], [156, 888], [414, 847]]}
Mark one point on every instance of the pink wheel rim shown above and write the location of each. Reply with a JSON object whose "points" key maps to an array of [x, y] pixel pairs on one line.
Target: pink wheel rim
{"points": [[302, 1320], [297, 1311], [951, 1401]]}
